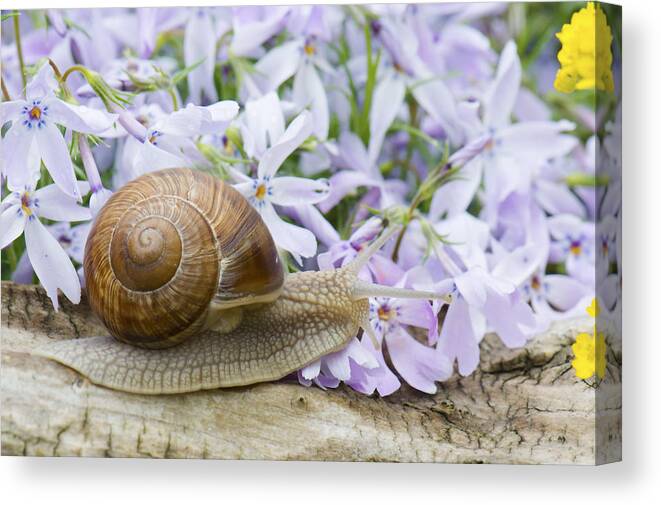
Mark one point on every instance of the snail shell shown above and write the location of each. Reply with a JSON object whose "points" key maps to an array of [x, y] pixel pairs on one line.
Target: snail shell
{"points": [[172, 252], [177, 252]]}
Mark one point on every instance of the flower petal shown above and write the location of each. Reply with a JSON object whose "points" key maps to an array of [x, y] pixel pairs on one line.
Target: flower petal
{"points": [[386, 104], [295, 134], [455, 196], [437, 100], [80, 118], [385, 380], [55, 155], [42, 84], [11, 111], [250, 33], [298, 190], [310, 217], [537, 141], [563, 292], [501, 96], [278, 65], [288, 236], [55, 205], [502, 315], [353, 153], [199, 44], [12, 223], [418, 313], [419, 365], [458, 340], [338, 364], [309, 92], [557, 198], [24, 271], [312, 370], [21, 158], [343, 183], [51, 264]]}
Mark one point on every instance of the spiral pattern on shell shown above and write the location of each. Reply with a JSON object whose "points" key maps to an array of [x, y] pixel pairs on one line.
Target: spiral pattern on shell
{"points": [[169, 244]]}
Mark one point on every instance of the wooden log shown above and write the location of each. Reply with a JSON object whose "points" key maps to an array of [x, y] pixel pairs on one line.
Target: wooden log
{"points": [[520, 406]]}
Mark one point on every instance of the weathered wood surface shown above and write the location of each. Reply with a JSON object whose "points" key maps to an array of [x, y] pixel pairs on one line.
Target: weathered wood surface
{"points": [[521, 406]]}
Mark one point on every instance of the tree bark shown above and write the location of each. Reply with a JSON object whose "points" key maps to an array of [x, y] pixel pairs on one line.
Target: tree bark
{"points": [[521, 406]]}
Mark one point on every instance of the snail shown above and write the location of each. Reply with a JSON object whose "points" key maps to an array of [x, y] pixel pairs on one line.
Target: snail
{"points": [[186, 277]]}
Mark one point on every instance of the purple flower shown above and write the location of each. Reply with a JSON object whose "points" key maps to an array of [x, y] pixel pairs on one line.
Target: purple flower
{"points": [[252, 26], [574, 244], [482, 301], [505, 154], [200, 45]]}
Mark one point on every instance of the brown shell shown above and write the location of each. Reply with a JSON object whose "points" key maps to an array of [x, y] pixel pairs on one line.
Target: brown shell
{"points": [[169, 244]]}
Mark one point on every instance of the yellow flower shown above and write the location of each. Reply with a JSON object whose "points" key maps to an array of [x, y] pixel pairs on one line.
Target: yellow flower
{"points": [[590, 350], [585, 57], [589, 355], [593, 309]]}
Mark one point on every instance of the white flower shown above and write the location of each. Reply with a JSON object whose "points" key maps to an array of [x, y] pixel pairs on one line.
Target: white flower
{"points": [[20, 213], [266, 190], [34, 123]]}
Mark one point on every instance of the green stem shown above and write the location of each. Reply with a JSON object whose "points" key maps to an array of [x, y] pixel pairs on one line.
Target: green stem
{"points": [[436, 175], [5, 91], [71, 70], [63, 85], [579, 179], [19, 49], [173, 96]]}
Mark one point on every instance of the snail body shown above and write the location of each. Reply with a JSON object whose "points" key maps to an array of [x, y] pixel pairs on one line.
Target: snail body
{"points": [[186, 277]]}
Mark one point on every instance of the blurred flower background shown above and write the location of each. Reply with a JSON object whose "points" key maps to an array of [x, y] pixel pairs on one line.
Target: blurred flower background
{"points": [[336, 122]]}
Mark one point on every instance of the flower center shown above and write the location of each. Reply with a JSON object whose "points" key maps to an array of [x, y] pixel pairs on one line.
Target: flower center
{"points": [[153, 137], [385, 313], [535, 284], [260, 192], [309, 49], [35, 113], [575, 247], [26, 204], [604, 247]]}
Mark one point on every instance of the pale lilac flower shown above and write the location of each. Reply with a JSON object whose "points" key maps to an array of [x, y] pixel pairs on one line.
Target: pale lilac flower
{"points": [[505, 154], [400, 37], [138, 30], [574, 244], [301, 58], [342, 252], [21, 211], [200, 45], [265, 190], [360, 169], [554, 296], [550, 186], [72, 239], [330, 370], [34, 126], [168, 143], [392, 319], [482, 301], [254, 25], [100, 194]]}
